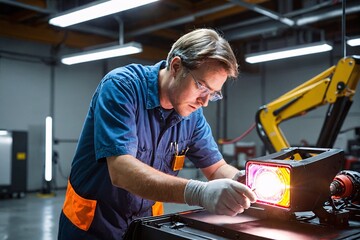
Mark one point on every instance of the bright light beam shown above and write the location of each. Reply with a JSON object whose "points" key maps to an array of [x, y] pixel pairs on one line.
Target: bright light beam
{"points": [[91, 11], [48, 148]]}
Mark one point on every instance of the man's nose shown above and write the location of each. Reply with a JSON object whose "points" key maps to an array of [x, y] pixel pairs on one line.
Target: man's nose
{"points": [[204, 100]]}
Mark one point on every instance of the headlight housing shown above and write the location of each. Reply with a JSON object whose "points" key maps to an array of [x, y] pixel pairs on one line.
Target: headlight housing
{"points": [[284, 184]]}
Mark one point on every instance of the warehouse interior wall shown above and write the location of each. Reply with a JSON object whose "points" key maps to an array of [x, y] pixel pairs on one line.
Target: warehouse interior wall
{"points": [[276, 78], [25, 102], [26, 99]]}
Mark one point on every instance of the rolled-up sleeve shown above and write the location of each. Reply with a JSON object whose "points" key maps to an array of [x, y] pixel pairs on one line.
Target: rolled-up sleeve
{"points": [[114, 123]]}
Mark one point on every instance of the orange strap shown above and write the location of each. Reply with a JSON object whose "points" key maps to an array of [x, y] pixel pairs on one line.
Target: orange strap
{"points": [[80, 211], [158, 209]]}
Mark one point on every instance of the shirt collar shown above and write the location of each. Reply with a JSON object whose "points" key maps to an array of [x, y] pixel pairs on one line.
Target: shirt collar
{"points": [[152, 76]]}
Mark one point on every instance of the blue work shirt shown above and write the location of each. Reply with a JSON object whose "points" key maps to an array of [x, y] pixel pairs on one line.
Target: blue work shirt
{"points": [[125, 117]]}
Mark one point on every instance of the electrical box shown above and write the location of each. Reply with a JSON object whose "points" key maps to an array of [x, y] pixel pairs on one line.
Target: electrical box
{"points": [[13, 163]]}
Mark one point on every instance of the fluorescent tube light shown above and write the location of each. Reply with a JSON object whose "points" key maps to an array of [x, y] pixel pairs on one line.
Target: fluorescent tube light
{"points": [[288, 52], [102, 53], [3, 132], [92, 11], [48, 148], [354, 42]]}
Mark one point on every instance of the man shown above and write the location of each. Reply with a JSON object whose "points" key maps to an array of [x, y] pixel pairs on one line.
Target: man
{"points": [[142, 122]]}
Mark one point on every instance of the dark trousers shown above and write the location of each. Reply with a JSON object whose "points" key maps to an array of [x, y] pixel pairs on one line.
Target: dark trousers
{"points": [[68, 231]]}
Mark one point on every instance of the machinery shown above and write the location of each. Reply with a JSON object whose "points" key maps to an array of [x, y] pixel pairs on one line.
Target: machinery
{"points": [[200, 225], [346, 185], [297, 199], [302, 192], [13, 163], [336, 86], [286, 186]]}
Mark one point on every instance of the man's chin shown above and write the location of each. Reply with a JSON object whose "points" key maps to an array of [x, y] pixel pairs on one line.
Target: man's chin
{"points": [[184, 112]]}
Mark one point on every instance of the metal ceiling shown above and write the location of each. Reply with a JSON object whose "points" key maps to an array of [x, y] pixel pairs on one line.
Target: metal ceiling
{"points": [[159, 24]]}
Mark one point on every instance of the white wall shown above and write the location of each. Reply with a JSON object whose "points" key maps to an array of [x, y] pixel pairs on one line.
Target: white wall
{"points": [[25, 98]]}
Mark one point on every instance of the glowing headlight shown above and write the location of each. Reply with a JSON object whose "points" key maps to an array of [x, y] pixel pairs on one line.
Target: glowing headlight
{"points": [[286, 185], [271, 183]]}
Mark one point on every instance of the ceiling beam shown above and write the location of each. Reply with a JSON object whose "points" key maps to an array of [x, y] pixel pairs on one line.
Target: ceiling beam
{"points": [[269, 13], [71, 39], [152, 54], [50, 35], [36, 6], [225, 13], [178, 21]]}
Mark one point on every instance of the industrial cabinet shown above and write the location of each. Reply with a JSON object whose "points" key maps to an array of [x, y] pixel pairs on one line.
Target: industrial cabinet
{"points": [[13, 163]]}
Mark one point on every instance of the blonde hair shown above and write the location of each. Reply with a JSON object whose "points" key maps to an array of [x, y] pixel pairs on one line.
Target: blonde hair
{"points": [[201, 45]]}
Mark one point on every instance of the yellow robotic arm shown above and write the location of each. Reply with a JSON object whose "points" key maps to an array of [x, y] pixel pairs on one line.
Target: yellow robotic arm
{"points": [[335, 86]]}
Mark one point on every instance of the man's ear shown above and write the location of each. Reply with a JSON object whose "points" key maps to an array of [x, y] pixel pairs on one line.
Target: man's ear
{"points": [[175, 66]]}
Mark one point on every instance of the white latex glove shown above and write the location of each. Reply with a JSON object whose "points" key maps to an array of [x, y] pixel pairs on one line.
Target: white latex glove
{"points": [[221, 196], [240, 176]]}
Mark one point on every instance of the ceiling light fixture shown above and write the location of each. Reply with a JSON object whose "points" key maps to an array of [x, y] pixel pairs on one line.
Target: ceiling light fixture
{"points": [[48, 148], [97, 54], [354, 41], [3, 132], [288, 52], [95, 10]]}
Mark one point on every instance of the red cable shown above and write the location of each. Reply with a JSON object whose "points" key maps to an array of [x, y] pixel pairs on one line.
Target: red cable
{"points": [[221, 141]]}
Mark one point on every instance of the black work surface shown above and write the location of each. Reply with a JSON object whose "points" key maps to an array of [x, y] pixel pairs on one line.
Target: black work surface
{"points": [[199, 224]]}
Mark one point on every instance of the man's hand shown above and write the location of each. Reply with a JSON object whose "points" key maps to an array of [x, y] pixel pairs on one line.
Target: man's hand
{"points": [[240, 176], [221, 196]]}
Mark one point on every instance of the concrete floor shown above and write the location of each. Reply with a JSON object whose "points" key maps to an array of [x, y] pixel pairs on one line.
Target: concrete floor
{"points": [[35, 217], [30, 217]]}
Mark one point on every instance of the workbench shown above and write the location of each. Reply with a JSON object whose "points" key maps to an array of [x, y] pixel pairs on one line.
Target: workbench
{"points": [[199, 224]]}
